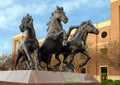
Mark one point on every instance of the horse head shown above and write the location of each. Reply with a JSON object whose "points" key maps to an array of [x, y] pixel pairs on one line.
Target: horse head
{"points": [[60, 14], [89, 27], [26, 23]]}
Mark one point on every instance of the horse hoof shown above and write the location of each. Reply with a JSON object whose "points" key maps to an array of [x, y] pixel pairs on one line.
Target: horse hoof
{"points": [[41, 69], [71, 67], [31, 65], [65, 69], [56, 68], [15, 68]]}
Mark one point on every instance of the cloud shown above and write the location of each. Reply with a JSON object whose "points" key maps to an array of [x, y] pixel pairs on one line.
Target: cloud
{"points": [[71, 5], [11, 11], [11, 15], [36, 9], [4, 3], [8, 16], [6, 46], [98, 4]]}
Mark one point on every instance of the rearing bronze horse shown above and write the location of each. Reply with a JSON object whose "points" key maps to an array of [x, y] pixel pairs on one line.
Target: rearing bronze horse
{"points": [[29, 44], [55, 37]]}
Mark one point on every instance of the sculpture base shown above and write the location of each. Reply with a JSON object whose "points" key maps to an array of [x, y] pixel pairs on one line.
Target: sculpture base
{"points": [[32, 77]]}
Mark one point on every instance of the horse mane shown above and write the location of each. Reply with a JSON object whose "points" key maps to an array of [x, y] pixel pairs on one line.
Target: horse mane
{"points": [[59, 9], [27, 17], [80, 28], [82, 24]]}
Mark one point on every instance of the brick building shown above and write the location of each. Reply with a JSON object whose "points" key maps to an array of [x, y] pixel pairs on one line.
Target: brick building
{"points": [[109, 31]]}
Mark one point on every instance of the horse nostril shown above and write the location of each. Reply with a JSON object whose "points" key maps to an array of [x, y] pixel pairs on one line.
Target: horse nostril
{"points": [[66, 20]]}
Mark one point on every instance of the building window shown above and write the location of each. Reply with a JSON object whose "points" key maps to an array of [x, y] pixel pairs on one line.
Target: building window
{"points": [[83, 70], [104, 71], [104, 53], [104, 34]]}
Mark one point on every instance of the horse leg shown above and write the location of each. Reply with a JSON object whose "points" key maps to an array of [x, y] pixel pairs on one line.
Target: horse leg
{"points": [[65, 57], [19, 55], [59, 33], [71, 60], [49, 62], [64, 36], [41, 59], [57, 57], [88, 58], [59, 61], [25, 61], [28, 57], [49, 59], [36, 53], [69, 65]]}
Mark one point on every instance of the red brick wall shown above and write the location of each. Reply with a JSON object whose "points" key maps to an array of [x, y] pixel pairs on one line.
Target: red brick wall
{"points": [[15, 40], [115, 20]]}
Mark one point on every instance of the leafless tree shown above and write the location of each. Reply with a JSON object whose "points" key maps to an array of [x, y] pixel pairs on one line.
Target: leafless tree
{"points": [[7, 63], [114, 54]]}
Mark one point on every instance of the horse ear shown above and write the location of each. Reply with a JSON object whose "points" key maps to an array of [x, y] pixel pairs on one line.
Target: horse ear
{"points": [[88, 21], [31, 18], [28, 14], [61, 8], [58, 7]]}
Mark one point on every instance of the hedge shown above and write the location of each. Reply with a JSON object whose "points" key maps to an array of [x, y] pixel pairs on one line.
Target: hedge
{"points": [[110, 82]]}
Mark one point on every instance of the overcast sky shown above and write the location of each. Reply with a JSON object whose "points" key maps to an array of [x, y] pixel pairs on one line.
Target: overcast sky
{"points": [[12, 11]]}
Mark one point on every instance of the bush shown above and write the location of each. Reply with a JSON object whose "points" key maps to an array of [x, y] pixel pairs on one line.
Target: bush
{"points": [[110, 82], [117, 82], [105, 82]]}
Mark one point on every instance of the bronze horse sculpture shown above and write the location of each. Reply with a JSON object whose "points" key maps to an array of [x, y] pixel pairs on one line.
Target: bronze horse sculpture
{"points": [[56, 37], [56, 41], [29, 44], [77, 44]]}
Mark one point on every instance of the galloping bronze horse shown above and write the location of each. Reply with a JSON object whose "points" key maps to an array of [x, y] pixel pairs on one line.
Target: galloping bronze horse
{"points": [[29, 44], [77, 43]]}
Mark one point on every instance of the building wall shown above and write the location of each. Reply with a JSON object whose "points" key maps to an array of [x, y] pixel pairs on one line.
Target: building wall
{"points": [[114, 33], [16, 39], [115, 20]]}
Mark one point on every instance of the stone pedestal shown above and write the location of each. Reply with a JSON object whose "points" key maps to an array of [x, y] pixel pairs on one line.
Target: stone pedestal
{"points": [[32, 77]]}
